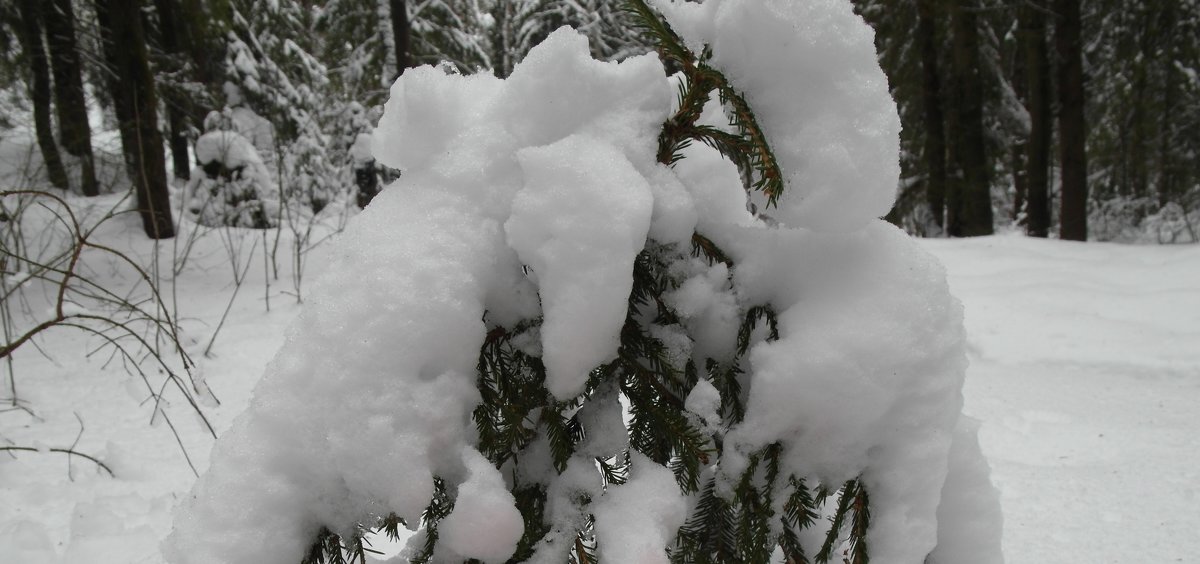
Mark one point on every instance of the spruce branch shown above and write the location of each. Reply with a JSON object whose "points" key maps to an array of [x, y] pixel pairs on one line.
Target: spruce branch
{"points": [[749, 148]]}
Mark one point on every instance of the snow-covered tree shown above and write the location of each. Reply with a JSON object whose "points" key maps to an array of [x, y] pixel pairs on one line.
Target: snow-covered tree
{"points": [[563, 336], [1143, 69], [269, 58]]}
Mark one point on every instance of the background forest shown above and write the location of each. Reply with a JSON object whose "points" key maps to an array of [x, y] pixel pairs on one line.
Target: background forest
{"points": [[1049, 116]]}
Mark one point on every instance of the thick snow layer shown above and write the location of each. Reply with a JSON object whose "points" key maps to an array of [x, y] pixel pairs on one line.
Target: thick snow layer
{"points": [[291, 464], [391, 333], [636, 521], [809, 71], [969, 520], [228, 148], [579, 222], [485, 523], [866, 375]]}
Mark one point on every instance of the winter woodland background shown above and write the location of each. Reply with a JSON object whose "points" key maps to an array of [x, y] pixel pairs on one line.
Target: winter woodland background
{"points": [[174, 171]]}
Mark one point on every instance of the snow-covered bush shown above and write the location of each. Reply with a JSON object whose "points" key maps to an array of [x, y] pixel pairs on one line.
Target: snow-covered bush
{"points": [[1145, 220], [231, 185], [561, 335]]}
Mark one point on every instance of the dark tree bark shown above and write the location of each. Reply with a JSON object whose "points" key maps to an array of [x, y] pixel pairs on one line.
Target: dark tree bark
{"points": [[1169, 58], [73, 129], [969, 198], [40, 91], [170, 36], [132, 88], [401, 35], [931, 96], [201, 39], [1072, 129], [1037, 101]]}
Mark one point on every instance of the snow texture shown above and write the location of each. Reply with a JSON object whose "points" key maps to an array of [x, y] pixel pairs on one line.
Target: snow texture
{"points": [[229, 148], [485, 523], [970, 520], [533, 195], [809, 71], [565, 226], [636, 521], [866, 376], [390, 334]]}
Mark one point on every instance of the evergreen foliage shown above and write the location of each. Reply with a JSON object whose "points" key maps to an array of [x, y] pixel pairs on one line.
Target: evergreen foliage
{"points": [[767, 509]]}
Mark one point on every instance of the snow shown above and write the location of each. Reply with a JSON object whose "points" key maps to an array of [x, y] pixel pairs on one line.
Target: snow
{"points": [[1085, 373], [228, 147], [417, 397], [485, 523], [809, 71], [579, 222], [709, 309], [636, 521], [868, 322]]}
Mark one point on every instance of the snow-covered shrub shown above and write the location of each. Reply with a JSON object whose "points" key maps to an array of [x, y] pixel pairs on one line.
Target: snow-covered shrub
{"points": [[1145, 220], [562, 336], [231, 185]]}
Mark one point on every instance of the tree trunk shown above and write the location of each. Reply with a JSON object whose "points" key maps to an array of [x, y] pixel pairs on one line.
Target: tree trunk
{"points": [[134, 102], [177, 105], [1072, 130], [73, 129], [970, 210], [1168, 59], [31, 41], [1037, 160], [931, 95], [203, 42], [401, 35]]}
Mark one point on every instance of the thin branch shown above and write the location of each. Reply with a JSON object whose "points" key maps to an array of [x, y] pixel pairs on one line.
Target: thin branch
{"points": [[66, 451]]}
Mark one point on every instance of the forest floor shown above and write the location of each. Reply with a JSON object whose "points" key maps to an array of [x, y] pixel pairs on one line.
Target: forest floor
{"points": [[1085, 370]]}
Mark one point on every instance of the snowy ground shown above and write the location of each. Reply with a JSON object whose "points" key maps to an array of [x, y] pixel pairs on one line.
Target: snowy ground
{"points": [[1085, 368]]}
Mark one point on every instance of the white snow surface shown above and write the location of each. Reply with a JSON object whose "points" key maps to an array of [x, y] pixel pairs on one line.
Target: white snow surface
{"points": [[228, 147], [485, 523], [637, 521], [866, 376], [579, 222]]}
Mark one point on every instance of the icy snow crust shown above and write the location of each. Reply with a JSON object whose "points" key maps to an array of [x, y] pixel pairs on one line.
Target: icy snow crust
{"points": [[553, 169]]}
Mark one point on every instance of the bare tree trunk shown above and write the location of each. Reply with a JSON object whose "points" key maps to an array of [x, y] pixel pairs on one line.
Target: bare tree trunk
{"points": [[31, 42], [134, 101], [401, 33], [176, 103], [931, 95], [1037, 162], [73, 129], [1169, 58], [970, 212], [1072, 129]]}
